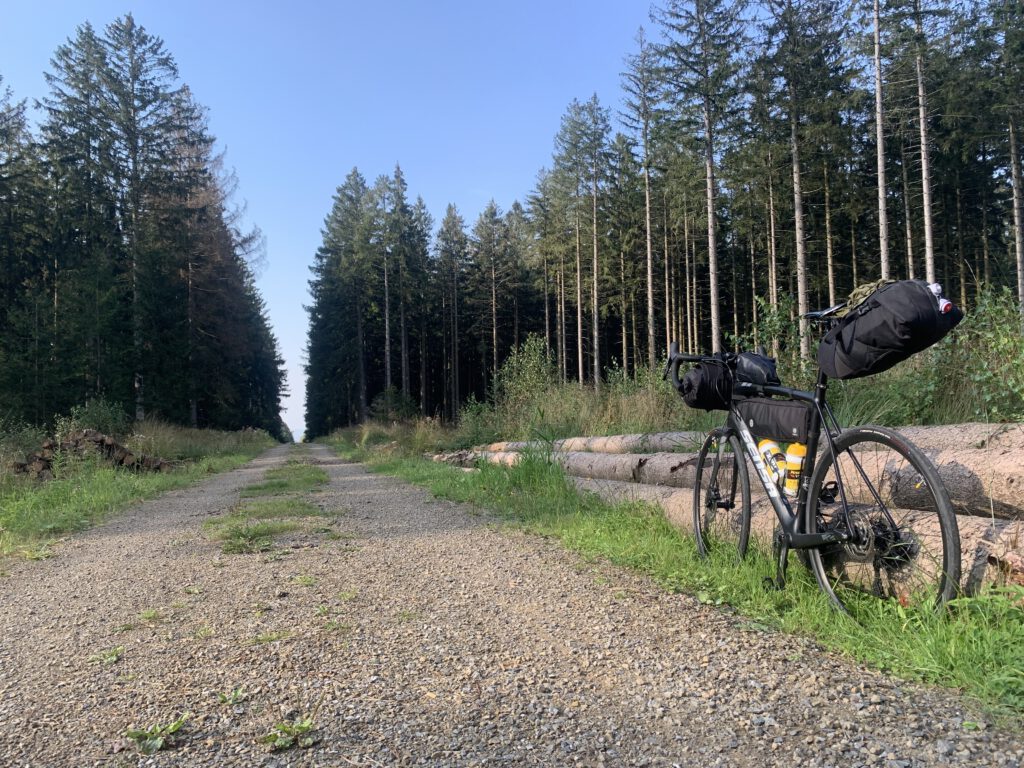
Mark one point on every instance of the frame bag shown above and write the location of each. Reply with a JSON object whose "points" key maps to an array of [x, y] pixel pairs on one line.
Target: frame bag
{"points": [[897, 320], [787, 421]]}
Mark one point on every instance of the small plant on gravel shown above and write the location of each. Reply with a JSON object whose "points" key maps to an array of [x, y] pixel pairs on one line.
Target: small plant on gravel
{"points": [[203, 632], [38, 552], [191, 589], [237, 696], [347, 594], [274, 507], [125, 627], [305, 580], [151, 615], [243, 539], [337, 626], [269, 637], [151, 740], [108, 656], [286, 735], [293, 477]]}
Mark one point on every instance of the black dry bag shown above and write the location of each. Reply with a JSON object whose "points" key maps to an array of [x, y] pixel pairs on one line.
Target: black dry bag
{"points": [[707, 386], [897, 320]]}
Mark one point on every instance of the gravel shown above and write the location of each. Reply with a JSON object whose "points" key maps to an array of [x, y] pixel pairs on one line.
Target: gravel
{"points": [[421, 633]]}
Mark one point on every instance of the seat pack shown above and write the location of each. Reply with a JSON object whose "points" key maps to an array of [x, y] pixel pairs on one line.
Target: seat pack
{"points": [[896, 320]]}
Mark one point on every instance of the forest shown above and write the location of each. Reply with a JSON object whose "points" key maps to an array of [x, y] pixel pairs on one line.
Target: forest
{"points": [[125, 274], [767, 158]]}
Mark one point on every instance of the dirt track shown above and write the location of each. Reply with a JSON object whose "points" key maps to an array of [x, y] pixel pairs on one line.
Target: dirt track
{"points": [[418, 633]]}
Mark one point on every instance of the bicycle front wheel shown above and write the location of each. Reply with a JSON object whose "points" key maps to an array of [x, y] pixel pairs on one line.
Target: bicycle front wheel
{"points": [[721, 496], [905, 543]]}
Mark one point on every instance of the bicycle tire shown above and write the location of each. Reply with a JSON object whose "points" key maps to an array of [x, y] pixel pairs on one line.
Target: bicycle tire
{"points": [[909, 544], [718, 522]]}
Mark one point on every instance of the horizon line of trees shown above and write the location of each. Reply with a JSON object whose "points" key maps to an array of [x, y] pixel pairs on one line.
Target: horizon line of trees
{"points": [[124, 271], [770, 156]]}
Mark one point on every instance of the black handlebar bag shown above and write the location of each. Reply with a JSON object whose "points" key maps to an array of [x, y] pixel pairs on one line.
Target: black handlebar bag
{"points": [[897, 320], [707, 386]]}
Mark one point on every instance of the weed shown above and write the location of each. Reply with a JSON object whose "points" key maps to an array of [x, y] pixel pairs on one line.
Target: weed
{"points": [[337, 626], [237, 696], [125, 628], [203, 632], [193, 590], [305, 580], [286, 735], [39, 552], [269, 637], [404, 616], [241, 538], [108, 656], [347, 594], [151, 616], [151, 740], [293, 477], [323, 610], [276, 507]]}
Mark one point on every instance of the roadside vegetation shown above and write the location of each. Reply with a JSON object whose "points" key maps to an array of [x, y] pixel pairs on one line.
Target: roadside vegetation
{"points": [[977, 374], [977, 646], [85, 491]]}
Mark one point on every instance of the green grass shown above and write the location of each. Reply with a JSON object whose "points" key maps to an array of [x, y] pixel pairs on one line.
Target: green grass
{"points": [[293, 477], [86, 494], [277, 507], [251, 527], [241, 537], [977, 646]]}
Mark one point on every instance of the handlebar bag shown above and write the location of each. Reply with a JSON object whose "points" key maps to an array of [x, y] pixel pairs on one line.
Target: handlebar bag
{"points": [[707, 386], [899, 319], [787, 421], [756, 369]]}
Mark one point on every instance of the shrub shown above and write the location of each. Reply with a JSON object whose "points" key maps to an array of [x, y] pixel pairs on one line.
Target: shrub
{"points": [[97, 413]]}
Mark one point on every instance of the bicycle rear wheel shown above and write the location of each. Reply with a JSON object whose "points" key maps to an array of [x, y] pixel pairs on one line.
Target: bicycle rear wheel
{"points": [[906, 543], [721, 495]]}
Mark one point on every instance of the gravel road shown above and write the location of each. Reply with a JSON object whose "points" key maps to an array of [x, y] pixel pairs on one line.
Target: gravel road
{"points": [[420, 633]]}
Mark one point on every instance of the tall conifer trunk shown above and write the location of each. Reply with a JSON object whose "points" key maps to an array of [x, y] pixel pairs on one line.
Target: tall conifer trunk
{"points": [[883, 218], [926, 178]]}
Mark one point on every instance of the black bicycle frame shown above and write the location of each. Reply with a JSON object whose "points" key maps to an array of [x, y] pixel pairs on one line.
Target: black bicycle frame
{"points": [[793, 537]]}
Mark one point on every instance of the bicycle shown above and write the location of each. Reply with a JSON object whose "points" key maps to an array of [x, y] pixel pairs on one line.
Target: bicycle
{"points": [[892, 534]]}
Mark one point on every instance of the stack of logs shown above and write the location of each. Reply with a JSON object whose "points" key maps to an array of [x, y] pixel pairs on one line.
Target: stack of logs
{"points": [[39, 465], [981, 465]]}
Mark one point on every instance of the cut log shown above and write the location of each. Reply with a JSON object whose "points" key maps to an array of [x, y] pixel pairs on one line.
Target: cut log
{"points": [[640, 443], [988, 482]]}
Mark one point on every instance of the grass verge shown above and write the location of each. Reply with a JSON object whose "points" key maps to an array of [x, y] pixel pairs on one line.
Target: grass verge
{"points": [[977, 646], [86, 493]]}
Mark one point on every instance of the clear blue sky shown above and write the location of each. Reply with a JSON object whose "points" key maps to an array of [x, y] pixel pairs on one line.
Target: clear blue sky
{"points": [[465, 96]]}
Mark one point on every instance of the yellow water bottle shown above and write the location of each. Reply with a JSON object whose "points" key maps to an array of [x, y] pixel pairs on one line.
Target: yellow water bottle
{"points": [[795, 455], [774, 460]]}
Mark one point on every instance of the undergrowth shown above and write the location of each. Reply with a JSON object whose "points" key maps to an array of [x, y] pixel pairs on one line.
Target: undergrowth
{"points": [[976, 646], [86, 491]]}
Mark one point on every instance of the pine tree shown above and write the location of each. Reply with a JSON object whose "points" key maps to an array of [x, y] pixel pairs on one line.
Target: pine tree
{"points": [[702, 67]]}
